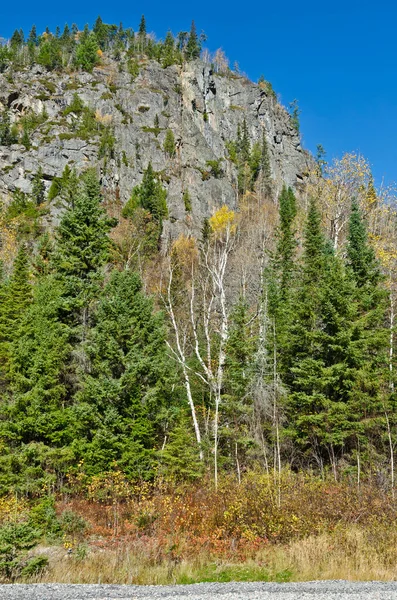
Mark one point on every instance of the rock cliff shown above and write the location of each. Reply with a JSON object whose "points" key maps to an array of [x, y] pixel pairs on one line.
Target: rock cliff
{"points": [[203, 110]]}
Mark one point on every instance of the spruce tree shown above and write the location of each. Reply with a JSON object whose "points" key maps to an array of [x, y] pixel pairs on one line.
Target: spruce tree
{"points": [[368, 349], [168, 51], [122, 396], [38, 358], [38, 188], [193, 46], [150, 195], [303, 367], [81, 251], [286, 237], [169, 144], [15, 297], [142, 27]]}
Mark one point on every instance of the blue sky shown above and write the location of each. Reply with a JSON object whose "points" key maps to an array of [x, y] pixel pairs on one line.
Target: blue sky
{"points": [[337, 58]]}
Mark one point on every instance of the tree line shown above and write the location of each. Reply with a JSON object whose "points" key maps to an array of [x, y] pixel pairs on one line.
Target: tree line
{"points": [[71, 47], [96, 373]]}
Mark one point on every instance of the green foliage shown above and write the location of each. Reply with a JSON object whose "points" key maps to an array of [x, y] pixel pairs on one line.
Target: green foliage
{"points": [[38, 188], [38, 365], [15, 297], [193, 46], [5, 56], [50, 55], [7, 136], [72, 523], [295, 112], [121, 395], [83, 245], [179, 460], [169, 144], [187, 201], [215, 166], [107, 143], [15, 540], [87, 53], [150, 195], [76, 106], [133, 68]]}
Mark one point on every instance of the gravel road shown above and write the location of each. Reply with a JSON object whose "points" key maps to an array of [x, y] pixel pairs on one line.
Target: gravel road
{"points": [[314, 590]]}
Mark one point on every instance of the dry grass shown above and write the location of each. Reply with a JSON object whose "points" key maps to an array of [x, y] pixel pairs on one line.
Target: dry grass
{"points": [[352, 554]]}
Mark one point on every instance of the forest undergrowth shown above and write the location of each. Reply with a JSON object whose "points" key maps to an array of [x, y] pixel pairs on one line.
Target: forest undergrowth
{"points": [[293, 527]]}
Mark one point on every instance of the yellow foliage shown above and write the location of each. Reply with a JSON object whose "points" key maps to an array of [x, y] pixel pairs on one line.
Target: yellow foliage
{"points": [[185, 251], [103, 119], [8, 236], [12, 508], [223, 220]]}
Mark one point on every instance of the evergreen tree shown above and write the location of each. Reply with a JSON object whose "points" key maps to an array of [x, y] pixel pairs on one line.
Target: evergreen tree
{"points": [[16, 40], [82, 247], [295, 112], [142, 27], [38, 188], [179, 460], [193, 46], [360, 255], [33, 39], [168, 51], [150, 195], [7, 135], [304, 366], [38, 357], [286, 237], [169, 143], [87, 53], [123, 394], [15, 297], [265, 167], [369, 341]]}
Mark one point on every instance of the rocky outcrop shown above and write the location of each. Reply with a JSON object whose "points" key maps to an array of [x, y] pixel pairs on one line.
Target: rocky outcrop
{"points": [[201, 108]]}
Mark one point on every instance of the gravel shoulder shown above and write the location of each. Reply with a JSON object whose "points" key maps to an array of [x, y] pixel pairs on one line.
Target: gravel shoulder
{"points": [[314, 590]]}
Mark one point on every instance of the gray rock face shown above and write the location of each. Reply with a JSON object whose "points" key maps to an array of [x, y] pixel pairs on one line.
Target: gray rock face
{"points": [[201, 108]]}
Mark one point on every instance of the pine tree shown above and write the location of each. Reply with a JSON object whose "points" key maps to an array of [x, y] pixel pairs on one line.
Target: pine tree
{"points": [[286, 237], [123, 394], [150, 195], [169, 144], [87, 52], [368, 349], [38, 358], [193, 46], [33, 39], [82, 247], [15, 297], [168, 51], [142, 27], [38, 188]]}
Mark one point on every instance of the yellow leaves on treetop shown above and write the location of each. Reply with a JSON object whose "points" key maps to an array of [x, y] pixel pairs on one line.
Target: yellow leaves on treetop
{"points": [[185, 251], [222, 221]]}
